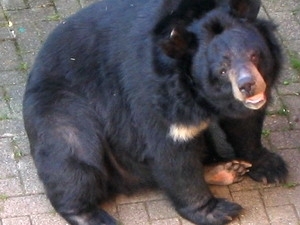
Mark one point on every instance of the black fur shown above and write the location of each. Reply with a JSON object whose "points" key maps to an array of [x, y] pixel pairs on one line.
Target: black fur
{"points": [[111, 80]]}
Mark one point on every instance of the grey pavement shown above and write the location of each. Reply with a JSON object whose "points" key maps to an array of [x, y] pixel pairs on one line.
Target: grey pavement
{"points": [[24, 24]]}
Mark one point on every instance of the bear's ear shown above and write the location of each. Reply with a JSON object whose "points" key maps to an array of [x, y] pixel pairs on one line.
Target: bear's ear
{"points": [[215, 27], [179, 43], [246, 9]]}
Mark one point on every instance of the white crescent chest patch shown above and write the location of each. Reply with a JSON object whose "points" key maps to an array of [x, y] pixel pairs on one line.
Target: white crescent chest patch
{"points": [[180, 132]]}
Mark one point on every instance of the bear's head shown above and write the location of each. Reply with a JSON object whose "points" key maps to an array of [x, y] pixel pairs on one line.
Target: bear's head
{"points": [[235, 57], [234, 60]]}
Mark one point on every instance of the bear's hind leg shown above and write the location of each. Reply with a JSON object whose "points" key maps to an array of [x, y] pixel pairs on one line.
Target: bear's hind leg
{"points": [[75, 191], [70, 156]]}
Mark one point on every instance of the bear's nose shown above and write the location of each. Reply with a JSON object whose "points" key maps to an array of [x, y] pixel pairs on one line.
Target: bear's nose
{"points": [[246, 85]]}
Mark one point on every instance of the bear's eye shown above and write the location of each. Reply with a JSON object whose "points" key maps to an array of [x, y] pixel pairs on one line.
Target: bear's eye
{"points": [[223, 71]]}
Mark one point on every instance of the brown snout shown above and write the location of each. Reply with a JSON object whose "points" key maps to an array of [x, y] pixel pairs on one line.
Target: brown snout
{"points": [[249, 86]]}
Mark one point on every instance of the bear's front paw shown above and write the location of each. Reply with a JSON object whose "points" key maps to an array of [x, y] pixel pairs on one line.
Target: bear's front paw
{"points": [[216, 212], [223, 213], [269, 168]]}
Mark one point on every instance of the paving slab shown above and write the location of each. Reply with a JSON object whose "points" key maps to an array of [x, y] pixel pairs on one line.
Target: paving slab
{"points": [[133, 214], [254, 209], [9, 59], [13, 4], [23, 220], [282, 215]]}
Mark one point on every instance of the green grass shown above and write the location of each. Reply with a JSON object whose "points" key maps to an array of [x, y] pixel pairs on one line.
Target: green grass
{"points": [[265, 133], [291, 185], [295, 61], [283, 111], [18, 154], [3, 197], [23, 67], [286, 82], [54, 17], [4, 117]]}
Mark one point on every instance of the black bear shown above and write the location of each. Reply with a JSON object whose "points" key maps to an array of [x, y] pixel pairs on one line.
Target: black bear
{"points": [[122, 93]]}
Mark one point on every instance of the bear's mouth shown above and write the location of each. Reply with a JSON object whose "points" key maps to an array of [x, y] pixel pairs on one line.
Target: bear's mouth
{"points": [[255, 102]]}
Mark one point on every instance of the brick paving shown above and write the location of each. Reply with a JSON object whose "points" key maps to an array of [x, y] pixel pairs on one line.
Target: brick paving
{"points": [[23, 27]]}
